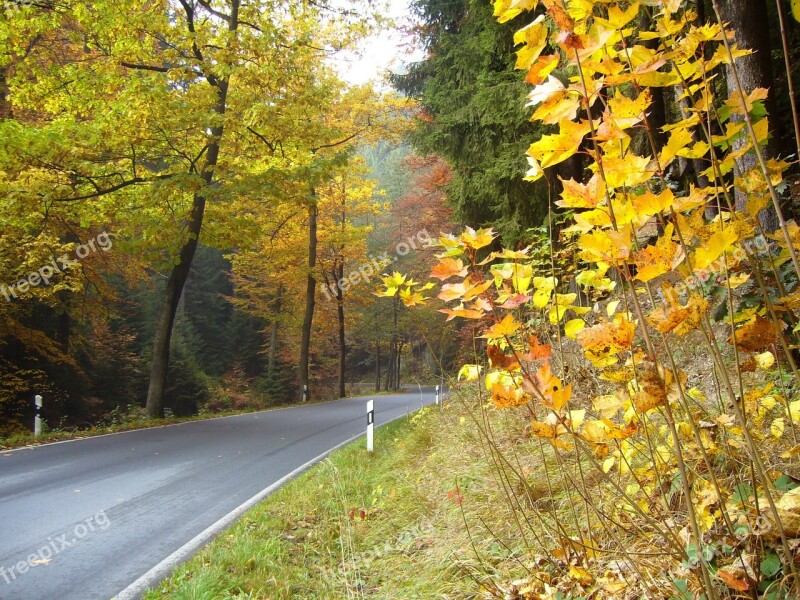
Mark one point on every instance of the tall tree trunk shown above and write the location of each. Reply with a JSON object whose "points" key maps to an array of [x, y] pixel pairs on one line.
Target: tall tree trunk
{"points": [[399, 364], [179, 274], [389, 379], [656, 116], [340, 317], [377, 365], [273, 336], [5, 105], [311, 296], [174, 291], [748, 21], [177, 281], [395, 347]]}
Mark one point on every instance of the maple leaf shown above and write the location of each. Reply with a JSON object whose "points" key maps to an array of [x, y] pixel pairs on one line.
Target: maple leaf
{"points": [[500, 360], [721, 241], [465, 313], [449, 267], [582, 195], [544, 430], [555, 394], [504, 328], [537, 350], [508, 396], [606, 246], [452, 291], [541, 68], [555, 148], [603, 341], [755, 336], [477, 239], [652, 392], [663, 257]]}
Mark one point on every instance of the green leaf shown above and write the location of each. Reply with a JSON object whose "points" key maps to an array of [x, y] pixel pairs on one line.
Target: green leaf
{"points": [[771, 565], [785, 483], [742, 492]]}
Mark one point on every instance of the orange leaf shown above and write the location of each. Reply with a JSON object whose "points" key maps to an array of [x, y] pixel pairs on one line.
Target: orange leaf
{"points": [[502, 329], [449, 267], [732, 581], [543, 430], [539, 351], [755, 336], [551, 388], [508, 396], [465, 313], [500, 360], [604, 340]]}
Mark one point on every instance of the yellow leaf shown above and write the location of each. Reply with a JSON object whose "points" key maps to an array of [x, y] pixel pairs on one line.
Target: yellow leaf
{"points": [[555, 148], [581, 575], [534, 38], [573, 326], [777, 427], [721, 241], [477, 239], [628, 171], [580, 195], [607, 405], [576, 418], [765, 360], [795, 4], [660, 258], [395, 280], [608, 463], [469, 372]]}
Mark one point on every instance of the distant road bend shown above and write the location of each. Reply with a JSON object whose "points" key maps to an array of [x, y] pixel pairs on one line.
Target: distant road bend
{"points": [[86, 519]]}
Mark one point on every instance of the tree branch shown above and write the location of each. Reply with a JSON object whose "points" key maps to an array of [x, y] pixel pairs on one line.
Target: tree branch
{"points": [[144, 67], [113, 188]]}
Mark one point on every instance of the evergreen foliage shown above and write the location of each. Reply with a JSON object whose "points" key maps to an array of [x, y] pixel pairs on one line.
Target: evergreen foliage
{"points": [[474, 114]]}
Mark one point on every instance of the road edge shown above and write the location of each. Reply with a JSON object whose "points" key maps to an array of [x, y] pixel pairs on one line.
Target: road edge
{"points": [[164, 568]]}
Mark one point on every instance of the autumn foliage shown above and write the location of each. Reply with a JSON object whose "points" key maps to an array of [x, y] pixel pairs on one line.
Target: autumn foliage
{"points": [[695, 458]]}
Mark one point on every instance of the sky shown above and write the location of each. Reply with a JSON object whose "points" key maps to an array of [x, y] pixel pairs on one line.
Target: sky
{"points": [[379, 53]]}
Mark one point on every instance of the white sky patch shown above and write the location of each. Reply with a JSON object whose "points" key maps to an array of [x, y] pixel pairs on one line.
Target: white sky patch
{"points": [[387, 51]]}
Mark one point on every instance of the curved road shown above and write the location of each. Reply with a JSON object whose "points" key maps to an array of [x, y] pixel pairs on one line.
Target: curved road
{"points": [[85, 519]]}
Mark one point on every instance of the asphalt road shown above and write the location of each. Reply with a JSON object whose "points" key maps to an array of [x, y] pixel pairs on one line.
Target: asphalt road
{"points": [[84, 519]]}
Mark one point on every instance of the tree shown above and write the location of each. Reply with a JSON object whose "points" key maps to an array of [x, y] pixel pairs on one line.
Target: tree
{"points": [[474, 115], [153, 109]]}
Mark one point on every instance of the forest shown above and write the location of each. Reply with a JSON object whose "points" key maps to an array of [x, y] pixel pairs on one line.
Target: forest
{"points": [[186, 189], [580, 213]]}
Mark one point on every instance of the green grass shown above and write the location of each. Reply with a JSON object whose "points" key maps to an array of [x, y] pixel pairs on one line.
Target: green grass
{"points": [[357, 525]]}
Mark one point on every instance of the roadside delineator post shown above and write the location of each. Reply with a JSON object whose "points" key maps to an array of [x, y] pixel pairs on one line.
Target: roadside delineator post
{"points": [[437, 397], [37, 420], [370, 426], [305, 392]]}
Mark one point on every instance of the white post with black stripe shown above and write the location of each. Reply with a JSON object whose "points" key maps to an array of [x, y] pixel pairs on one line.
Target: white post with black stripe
{"points": [[370, 426], [37, 420], [438, 401]]}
